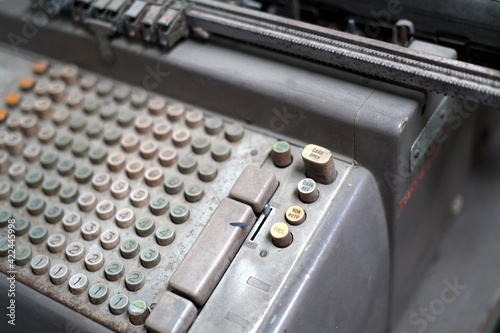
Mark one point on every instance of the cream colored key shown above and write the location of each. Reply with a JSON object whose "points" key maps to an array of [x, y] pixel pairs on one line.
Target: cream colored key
{"points": [[172, 313], [319, 165]]}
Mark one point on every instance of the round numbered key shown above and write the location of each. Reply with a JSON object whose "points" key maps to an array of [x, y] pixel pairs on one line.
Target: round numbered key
{"points": [[78, 283], [234, 132], [43, 107], [121, 93], [144, 226], [51, 186], [134, 280], [129, 248], [19, 197], [138, 311], [165, 235], [179, 213], [118, 304], [66, 167], [80, 147], [83, 174], [17, 171], [138, 97], [22, 255], [94, 261], [124, 217], [112, 135], [74, 99], [221, 152], [157, 105], [38, 234], [40, 264], [201, 145], [159, 205], [162, 130], [36, 206], [32, 152], [173, 184], [87, 201], [143, 124], [139, 197], [15, 143], [108, 111], [29, 125], [63, 140], [5, 189], [110, 239], [91, 230], [53, 213], [21, 226], [105, 209], [187, 164], [5, 216], [175, 111], [98, 293], [168, 156], [116, 161], [94, 129], [72, 221], [5, 161], [181, 137], [114, 270], [68, 193], [125, 117], [46, 134], [56, 242], [88, 82], [130, 143], [98, 154], [150, 257], [60, 116], [34, 178], [194, 118], [104, 87], [148, 149], [75, 251], [134, 169], [59, 273], [153, 176], [193, 192], [120, 189], [207, 172]]}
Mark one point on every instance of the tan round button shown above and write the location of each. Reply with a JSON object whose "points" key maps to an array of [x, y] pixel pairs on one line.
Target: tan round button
{"points": [[156, 105], [110, 239], [120, 189], [116, 161], [175, 111], [59, 273], [162, 130], [130, 142], [281, 235], [40, 264], [194, 118], [139, 197], [149, 149], [29, 125], [134, 169], [282, 155], [308, 192], [181, 137], [46, 134], [56, 242], [143, 124], [57, 91], [32, 152], [168, 156], [124, 217], [90, 230], [295, 215], [75, 251], [74, 99], [87, 201], [42, 107], [78, 283], [105, 209], [101, 181], [72, 221], [69, 73], [94, 261], [154, 176]]}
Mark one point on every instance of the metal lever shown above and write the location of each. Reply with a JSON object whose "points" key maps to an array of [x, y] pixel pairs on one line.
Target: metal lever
{"points": [[103, 31]]}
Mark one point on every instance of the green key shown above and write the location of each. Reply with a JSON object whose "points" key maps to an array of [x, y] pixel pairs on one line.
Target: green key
{"points": [[165, 235], [173, 184], [83, 174], [36, 206], [80, 147], [34, 178], [104, 87], [201, 145], [129, 248], [138, 98], [98, 154], [112, 135], [125, 117], [144, 226], [134, 280], [51, 186], [94, 129], [221, 152], [38, 234], [118, 304], [213, 125], [19, 197], [138, 312], [22, 255], [207, 172], [193, 193], [91, 104], [66, 167], [150, 257], [49, 159], [113, 270], [21, 226], [187, 164], [158, 205], [108, 111], [53, 213], [121, 93], [78, 122], [68, 193], [234, 132], [5, 216], [98, 293], [179, 213], [63, 140]]}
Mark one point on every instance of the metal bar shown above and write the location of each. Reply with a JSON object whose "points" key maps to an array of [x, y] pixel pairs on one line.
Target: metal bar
{"points": [[385, 61]]}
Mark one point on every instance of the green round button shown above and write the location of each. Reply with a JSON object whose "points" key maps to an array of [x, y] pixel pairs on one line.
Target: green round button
{"points": [[53, 213], [94, 129], [108, 112], [134, 280], [38, 234], [201, 144], [129, 248], [165, 235], [80, 147], [144, 226], [221, 152], [98, 293], [121, 93], [5, 216], [138, 98], [83, 174], [35, 206], [187, 164], [34, 178], [125, 117], [193, 192], [21, 226], [18, 197], [234, 132], [158, 205], [91, 104], [213, 125], [77, 122], [63, 140], [66, 166], [173, 184], [150, 257], [179, 213], [113, 270], [51, 185], [207, 172], [138, 312], [49, 159], [118, 304], [68, 193], [22, 255], [98, 154], [104, 87], [112, 135]]}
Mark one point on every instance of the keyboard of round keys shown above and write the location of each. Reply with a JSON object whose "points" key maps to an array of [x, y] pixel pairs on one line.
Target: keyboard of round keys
{"points": [[107, 187]]}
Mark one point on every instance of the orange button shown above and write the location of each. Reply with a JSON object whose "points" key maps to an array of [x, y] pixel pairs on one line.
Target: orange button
{"points": [[27, 83], [40, 66], [3, 114], [13, 99]]}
